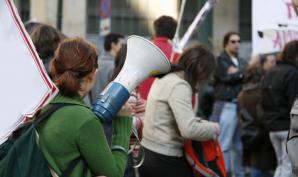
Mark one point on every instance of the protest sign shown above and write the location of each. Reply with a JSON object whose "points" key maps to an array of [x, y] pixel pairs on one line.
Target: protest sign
{"points": [[25, 85], [274, 23]]}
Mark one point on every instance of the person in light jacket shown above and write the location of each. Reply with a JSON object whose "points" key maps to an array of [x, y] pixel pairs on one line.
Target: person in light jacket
{"points": [[169, 116]]}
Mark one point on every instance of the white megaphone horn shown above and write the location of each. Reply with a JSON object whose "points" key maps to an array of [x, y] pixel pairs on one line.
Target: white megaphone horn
{"points": [[143, 59]]}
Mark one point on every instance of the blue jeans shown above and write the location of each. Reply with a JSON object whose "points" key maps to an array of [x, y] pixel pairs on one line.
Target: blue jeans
{"points": [[278, 140], [229, 139], [292, 146], [255, 172]]}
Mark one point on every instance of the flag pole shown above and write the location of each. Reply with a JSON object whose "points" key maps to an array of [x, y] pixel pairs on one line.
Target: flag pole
{"points": [[196, 22], [176, 37]]}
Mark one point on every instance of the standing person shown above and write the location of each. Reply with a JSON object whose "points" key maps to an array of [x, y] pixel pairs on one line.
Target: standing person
{"points": [[137, 104], [170, 119], [267, 62], [258, 152], [112, 45], [228, 81], [292, 143], [46, 40], [74, 131], [164, 31], [279, 90]]}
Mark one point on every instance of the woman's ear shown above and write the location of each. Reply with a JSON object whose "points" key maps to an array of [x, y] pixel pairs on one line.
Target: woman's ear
{"points": [[90, 77], [93, 75]]}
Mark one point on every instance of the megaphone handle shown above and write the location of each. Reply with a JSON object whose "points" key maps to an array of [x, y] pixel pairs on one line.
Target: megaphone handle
{"points": [[110, 101]]}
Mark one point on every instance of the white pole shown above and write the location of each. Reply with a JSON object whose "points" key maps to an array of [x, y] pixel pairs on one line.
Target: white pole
{"points": [[199, 19], [176, 37]]}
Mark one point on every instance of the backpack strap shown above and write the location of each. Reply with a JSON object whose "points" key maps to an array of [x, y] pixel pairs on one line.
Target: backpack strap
{"points": [[42, 117], [71, 166], [49, 112]]}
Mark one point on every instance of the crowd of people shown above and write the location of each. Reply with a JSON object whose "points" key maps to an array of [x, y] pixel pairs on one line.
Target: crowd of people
{"points": [[247, 105]]}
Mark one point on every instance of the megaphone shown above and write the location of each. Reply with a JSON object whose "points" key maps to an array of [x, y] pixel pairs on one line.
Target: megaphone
{"points": [[143, 59]]}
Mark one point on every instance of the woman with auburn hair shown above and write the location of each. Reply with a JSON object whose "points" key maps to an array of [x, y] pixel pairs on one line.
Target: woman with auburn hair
{"points": [[169, 117], [74, 131]]}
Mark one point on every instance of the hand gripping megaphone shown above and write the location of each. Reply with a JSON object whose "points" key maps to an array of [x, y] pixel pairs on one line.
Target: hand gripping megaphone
{"points": [[143, 59]]}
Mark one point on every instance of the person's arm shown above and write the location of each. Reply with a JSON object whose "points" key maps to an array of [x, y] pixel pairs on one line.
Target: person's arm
{"points": [[190, 126], [223, 74], [95, 150], [292, 87]]}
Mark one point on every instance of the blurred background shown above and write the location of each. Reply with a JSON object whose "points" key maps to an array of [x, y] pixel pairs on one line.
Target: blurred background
{"points": [[127, 17]]}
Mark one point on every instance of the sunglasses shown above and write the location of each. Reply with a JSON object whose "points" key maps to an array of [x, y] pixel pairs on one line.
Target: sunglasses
{"points": [[235, 41]]}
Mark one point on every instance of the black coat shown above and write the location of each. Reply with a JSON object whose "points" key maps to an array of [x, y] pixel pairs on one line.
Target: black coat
{"points": [[227, 86], [257, 150], [279, 90]]}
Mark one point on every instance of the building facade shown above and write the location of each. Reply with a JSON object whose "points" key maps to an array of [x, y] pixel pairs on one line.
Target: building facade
{"points": [[81, 18]]}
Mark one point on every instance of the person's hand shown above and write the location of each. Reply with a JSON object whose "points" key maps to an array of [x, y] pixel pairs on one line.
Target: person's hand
{"points": [[125, 111], [139, 107], [217, 129], [232, 70]]}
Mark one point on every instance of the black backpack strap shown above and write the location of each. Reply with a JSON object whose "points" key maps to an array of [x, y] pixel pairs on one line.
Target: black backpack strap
{"points": [[84, 172], [72, 165], [41, 117], [49, 112]]}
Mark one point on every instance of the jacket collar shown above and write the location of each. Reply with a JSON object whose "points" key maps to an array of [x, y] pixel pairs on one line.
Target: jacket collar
{"points": [[180, 74], [76, 99], [225, 54]]}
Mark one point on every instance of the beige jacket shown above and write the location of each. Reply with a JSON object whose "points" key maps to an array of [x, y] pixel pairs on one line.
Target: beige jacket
{"points": [[169, 117]]}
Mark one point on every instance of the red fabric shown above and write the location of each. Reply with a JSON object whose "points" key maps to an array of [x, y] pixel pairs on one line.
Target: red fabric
{"points": [[164, 44], [144, 87], [175, 58], [166, 47], [211, 151]]}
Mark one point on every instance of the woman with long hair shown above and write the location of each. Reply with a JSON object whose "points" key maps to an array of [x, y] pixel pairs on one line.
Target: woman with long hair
{"points": [[170, 119]]}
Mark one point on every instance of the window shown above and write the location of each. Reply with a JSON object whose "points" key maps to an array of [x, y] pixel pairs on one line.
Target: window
{"points": [[93, 16], [24, 10], [245, 20], [125, 19]]}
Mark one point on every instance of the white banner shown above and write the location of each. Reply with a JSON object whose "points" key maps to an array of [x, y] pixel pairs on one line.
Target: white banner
{"points": [[25, 86], [274, 23]]}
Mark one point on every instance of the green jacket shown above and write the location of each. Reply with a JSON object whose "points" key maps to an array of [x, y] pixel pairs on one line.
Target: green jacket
{"points": [[75, 131]]}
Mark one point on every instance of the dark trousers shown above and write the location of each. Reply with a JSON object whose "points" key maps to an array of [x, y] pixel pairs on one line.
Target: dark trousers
{"points": [[158, 165]]}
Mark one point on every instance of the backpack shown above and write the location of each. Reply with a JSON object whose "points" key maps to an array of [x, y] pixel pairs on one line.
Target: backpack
{"points": [[205, 158], [20, 155]]}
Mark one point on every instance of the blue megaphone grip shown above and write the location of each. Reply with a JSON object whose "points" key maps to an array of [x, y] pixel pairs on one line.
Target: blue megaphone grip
{"points": [[110, 101]]}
